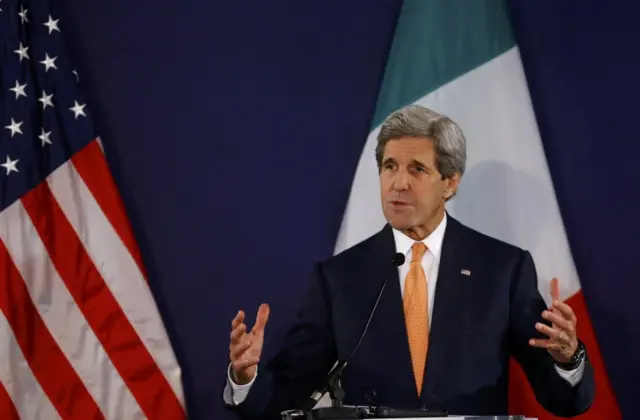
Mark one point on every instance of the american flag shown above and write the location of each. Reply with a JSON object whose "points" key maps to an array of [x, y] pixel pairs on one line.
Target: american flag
{"points": [[80, 333]]}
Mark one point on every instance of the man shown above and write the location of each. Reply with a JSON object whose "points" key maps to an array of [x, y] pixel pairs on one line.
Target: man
{"points": [[448, 319]]}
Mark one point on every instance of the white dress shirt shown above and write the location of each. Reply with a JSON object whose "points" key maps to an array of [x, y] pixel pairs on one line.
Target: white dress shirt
{"points": [[235, 394], [430, 259]]}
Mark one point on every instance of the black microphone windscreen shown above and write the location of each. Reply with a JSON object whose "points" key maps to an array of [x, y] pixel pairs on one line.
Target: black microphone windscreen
{"points": [[398, 259]]}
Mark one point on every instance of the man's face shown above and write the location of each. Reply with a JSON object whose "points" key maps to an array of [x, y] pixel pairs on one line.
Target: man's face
{"points": [[412, 190]]}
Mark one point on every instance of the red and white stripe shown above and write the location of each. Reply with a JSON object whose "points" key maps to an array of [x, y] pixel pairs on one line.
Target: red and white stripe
{"points": [[80, 334]]}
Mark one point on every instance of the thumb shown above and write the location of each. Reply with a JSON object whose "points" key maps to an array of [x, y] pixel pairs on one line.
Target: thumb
{"points": [[555, 289], [261, 318]]}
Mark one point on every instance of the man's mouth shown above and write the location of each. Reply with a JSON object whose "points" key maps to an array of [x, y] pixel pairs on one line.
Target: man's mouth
{"points": [[398, 203]]}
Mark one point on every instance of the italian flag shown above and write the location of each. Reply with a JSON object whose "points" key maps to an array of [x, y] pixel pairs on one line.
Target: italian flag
{"points": [[460, 59]]}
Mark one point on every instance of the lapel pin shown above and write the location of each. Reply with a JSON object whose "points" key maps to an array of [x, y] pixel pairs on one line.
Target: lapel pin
{"points": [[465, 272]]}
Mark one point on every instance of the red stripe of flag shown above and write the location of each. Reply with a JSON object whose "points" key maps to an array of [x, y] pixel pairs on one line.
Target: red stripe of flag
{"points": [[103, 313], [50, 367], [92, 168], [7, 408]]}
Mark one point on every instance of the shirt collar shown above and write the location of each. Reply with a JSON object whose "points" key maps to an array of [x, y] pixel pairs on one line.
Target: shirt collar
{"points": [[433, 241]]}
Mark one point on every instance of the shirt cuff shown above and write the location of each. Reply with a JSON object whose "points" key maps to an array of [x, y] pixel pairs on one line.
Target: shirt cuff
{"points": [[572, 376], [234, 393]]}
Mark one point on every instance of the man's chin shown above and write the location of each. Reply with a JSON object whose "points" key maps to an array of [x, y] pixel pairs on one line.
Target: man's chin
{"points": [[399, 224]]}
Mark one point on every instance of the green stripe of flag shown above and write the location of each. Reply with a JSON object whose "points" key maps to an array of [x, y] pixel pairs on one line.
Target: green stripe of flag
{"points": [[437, 41]]}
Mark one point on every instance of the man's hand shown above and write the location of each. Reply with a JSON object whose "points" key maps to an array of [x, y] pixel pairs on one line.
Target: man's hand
{"points": [[245, 348], [563, 340]]}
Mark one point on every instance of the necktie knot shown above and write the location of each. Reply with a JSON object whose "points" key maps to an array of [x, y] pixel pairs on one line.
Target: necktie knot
{"points": [[417, 251]]}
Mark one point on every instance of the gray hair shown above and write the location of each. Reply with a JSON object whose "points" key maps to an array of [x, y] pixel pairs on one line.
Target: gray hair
{"points": [[418, 121]]}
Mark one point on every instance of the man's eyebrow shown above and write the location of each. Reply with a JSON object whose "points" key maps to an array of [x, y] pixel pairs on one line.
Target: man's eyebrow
{"points": [[417, 162]]}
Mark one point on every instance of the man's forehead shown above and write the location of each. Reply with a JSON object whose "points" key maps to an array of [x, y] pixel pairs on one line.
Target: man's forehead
{"points": [[408, 154]]}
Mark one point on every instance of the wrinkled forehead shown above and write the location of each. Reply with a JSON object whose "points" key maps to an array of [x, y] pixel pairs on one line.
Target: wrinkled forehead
{"points": [[410, 150]]}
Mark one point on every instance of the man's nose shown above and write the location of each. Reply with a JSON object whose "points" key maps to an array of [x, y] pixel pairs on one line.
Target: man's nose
{"points": [[401, 181]]}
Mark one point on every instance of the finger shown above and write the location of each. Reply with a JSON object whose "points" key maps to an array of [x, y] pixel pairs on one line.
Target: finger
{"points": [[555, 289], [237, 320], [236, 351], [559, 321], [261, 318], [241, 364], [237, 333], [565, 310], [553, 333], [544, 344]]}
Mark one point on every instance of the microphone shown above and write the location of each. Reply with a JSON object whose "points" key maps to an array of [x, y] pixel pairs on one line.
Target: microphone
{"points": [[398, 260]]}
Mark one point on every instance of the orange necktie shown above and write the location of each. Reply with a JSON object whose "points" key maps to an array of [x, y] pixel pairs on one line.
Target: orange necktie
{"points": [[416, 312]]}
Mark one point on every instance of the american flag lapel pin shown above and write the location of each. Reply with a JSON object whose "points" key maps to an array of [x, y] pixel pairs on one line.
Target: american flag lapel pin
{"points": [[465, 272]]}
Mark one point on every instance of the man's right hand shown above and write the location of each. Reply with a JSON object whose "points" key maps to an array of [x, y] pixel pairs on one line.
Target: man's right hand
{"points": [[245, 348]]}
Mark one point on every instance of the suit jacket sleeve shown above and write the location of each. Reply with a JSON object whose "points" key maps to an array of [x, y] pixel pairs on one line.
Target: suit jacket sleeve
{"points": [[553, 392], [303, 361]]}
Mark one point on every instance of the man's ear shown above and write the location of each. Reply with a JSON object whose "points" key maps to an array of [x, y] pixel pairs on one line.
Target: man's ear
{"points": [[451, 186]]}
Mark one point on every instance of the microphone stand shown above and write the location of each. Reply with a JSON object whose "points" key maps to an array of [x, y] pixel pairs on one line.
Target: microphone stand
{"points": [[336, 392], [333, 384]]}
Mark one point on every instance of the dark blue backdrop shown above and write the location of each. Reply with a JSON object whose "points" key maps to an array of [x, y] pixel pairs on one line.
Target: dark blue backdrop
{"points": [[231, 128], [228, 125], [582, 65]]}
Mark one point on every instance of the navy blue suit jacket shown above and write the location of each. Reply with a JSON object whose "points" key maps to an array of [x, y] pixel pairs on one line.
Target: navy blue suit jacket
{"points": [[478, 321]]}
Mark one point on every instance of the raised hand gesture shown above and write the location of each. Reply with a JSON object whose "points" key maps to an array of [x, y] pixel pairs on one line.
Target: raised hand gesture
{"points": [[563, 340], [245, 348]]}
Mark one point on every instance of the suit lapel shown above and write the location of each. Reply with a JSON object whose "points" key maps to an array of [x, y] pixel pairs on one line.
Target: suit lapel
{"points": [[448, 307]]}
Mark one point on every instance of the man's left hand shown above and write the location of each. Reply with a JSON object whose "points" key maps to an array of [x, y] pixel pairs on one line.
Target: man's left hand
{"points": [[563, 340]]}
